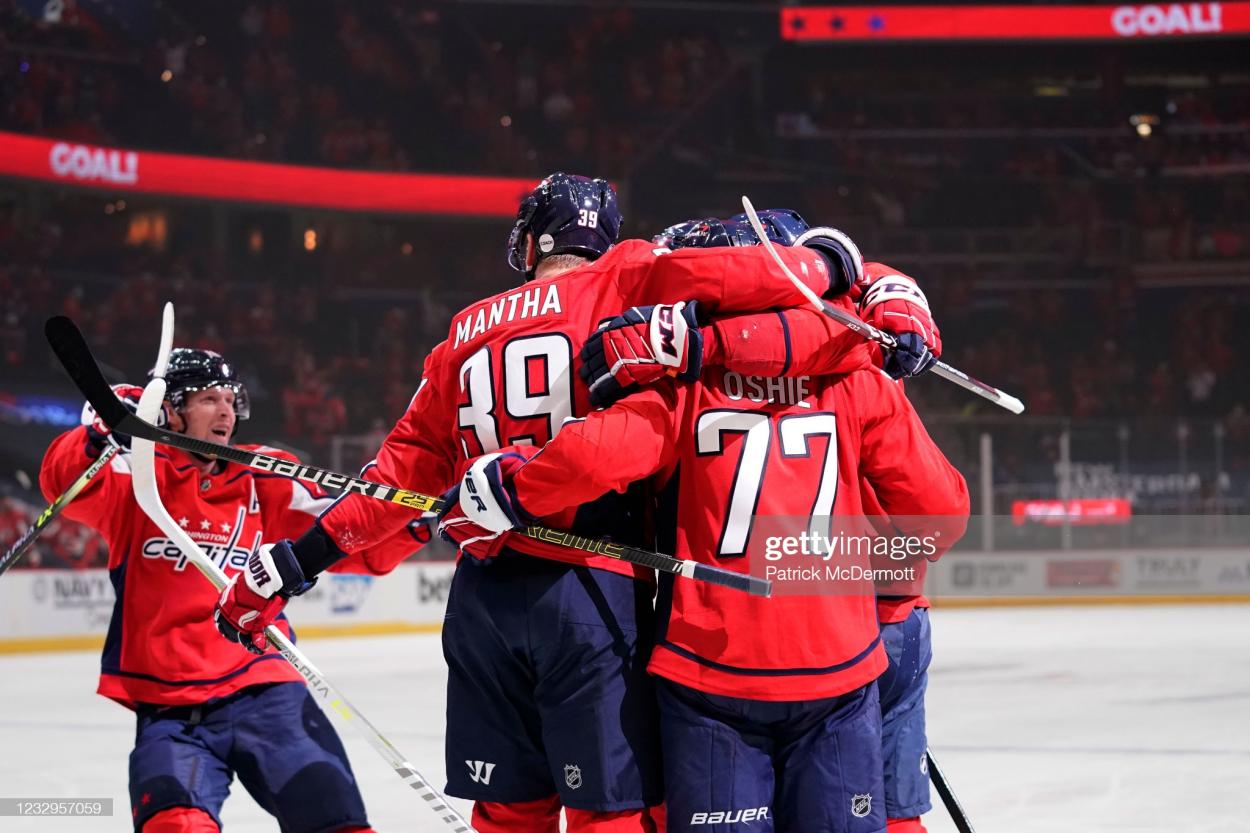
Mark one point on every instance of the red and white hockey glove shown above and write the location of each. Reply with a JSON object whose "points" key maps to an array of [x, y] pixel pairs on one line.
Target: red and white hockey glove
{"points": [[483, 507], [893, 302], [98, 432], [640, 346], [247, 607]]}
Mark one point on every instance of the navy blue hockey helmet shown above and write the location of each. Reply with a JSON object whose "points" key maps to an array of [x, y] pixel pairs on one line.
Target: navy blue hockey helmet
{"points": [[782, 226], [192, 370], [706, 234], [565, 214]]}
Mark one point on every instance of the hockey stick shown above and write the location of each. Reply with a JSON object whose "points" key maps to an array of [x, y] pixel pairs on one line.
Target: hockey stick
{"points": [[110, 451], [72, 351], [871, 333], [956, 810], [143, 477], [53, 509]]}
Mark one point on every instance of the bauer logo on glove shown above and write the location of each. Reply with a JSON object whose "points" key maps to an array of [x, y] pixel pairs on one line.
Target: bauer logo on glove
{"points": [[247, 607], [484, 506]]}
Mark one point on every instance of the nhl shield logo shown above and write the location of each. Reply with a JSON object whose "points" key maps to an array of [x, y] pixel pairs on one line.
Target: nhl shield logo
{"points": [[861, 805], [573, 776]]}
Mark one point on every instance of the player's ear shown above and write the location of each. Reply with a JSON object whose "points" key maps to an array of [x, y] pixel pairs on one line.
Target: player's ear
{"points": [[174, 419]]}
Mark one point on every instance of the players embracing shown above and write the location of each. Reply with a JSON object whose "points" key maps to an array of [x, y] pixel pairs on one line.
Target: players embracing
{"points": [[550, 704]]}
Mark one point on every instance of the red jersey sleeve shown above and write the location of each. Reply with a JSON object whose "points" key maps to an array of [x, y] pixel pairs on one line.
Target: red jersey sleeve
{"points": [[414, 456], [606, 451], [913, 481], [287, 506], [96, 504], [727, 279], [791, 342]]}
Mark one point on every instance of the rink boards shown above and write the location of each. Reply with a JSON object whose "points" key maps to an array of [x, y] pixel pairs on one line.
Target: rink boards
{"points": [[70, 609]]}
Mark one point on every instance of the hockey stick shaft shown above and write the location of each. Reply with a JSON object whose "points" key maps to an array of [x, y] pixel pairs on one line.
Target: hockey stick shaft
{"points": [[45, 517], [72, 351], [943, 787], [53, 509], [871, 333], [143, 480]]}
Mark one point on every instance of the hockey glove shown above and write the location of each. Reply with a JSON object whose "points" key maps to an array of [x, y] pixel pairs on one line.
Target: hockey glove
{"points": [[484, 506], [893, 302], [98, 432], [846, 264], [247, 607], [641, 346]]}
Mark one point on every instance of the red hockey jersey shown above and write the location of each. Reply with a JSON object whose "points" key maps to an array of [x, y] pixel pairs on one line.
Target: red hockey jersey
{"points": [[798, 342], [162, 646], [506, 374], [741, 447]]}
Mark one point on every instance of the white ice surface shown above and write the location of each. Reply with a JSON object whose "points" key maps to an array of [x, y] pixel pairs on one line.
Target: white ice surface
{"points": [[1122, 719]]}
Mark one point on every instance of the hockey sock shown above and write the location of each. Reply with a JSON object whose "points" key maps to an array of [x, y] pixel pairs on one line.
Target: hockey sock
{"points": [[659, 817], [623, 821], [541, 816], [181, 820], [911, 825]]}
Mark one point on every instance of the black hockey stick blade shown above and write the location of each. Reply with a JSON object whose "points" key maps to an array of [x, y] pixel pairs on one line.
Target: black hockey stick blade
{"points": [[75, 356], [72, 351]]}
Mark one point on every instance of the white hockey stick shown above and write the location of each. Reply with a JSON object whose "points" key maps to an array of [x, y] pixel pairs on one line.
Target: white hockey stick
{"points": [[143, 476], [871, 333]]}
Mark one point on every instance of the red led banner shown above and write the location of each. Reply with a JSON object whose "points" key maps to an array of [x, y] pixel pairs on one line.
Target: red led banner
{"points": [[1079, 512], [139, 171], [885, 23]]}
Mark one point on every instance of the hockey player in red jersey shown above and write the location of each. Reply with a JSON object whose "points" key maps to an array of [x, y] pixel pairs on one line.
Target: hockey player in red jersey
{"points": [[616, 361], [206, 711], [549, 705], [773, 692], [766, 706]]}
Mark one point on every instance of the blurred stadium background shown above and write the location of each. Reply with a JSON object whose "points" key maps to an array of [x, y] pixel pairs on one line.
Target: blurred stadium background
{"points": [[1076, 209]]}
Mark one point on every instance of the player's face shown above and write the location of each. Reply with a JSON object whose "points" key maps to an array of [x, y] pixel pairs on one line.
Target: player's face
{"points": [[209, 415]]}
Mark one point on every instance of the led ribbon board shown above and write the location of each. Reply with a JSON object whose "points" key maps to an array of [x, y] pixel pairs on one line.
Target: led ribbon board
{"points": [[1109, 22], [140, 171]]}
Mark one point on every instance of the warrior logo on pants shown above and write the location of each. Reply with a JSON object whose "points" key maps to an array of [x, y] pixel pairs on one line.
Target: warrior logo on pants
{"points": [[480, 771]]}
